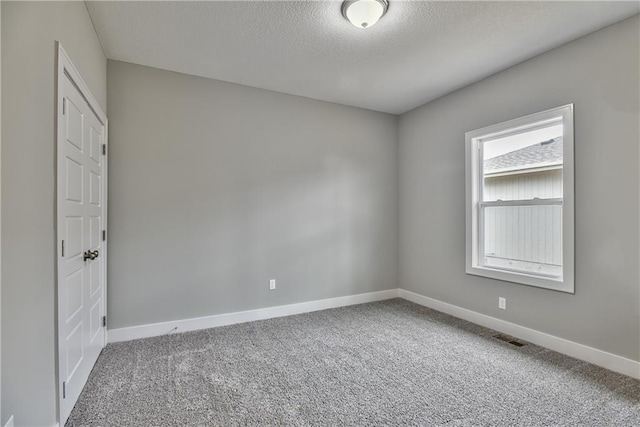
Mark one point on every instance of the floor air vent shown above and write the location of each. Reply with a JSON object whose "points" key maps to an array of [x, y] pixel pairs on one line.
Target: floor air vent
{"points": [[509, 340]]}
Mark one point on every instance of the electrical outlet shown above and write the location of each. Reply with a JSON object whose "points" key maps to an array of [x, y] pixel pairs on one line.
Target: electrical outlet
{"points": [[272, 284], [502, 303]]}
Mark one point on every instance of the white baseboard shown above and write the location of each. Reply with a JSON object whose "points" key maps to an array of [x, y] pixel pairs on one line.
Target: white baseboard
{"points": [[579, 351], [9, 422], [156, 329]]}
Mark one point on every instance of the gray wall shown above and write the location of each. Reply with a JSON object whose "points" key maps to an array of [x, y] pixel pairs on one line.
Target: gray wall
{"points": [[599, 73], [215, 188], [29, 32]]}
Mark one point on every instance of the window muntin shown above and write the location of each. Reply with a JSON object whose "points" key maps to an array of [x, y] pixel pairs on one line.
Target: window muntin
{"points": [[517, 225]]}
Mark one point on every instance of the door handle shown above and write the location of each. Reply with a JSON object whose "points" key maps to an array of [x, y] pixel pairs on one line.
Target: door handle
{"points": [[90, 255]]}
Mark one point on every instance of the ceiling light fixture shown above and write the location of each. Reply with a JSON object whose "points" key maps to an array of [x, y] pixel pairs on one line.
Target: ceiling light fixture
{"points": [[364, 13]]}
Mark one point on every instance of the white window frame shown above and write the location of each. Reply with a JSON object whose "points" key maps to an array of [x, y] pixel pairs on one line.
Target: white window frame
{"points": [[474, 207]]}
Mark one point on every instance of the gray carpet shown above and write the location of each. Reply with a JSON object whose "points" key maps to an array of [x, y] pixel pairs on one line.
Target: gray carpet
{"points": [[384, 363]]}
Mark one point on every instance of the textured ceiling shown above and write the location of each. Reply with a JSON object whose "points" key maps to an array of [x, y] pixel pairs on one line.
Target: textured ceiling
{"points": [[419, 51]]}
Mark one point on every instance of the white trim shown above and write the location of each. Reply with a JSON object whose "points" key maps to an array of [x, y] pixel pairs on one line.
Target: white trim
{"points": [[521, 202], [66, 64], [474, 263], [65, 67], [570, 348], [0, 215], [163, 328], [519, 125], [105, 227]]}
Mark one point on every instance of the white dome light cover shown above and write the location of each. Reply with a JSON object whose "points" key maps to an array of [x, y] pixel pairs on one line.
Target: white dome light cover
{"points": [[364, 13]]}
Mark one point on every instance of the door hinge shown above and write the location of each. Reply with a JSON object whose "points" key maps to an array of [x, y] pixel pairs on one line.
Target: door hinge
{"points": [[104, 149], [104, 235], [104, 321], [64, 105], [63, 248], [64, 390]]}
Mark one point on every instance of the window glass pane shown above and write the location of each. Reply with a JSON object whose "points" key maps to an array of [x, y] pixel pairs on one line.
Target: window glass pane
{"points": [[523, 166], [524, 238]]}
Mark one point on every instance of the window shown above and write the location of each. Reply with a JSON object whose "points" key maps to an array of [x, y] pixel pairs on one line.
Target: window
{"points": [[520, 200]]}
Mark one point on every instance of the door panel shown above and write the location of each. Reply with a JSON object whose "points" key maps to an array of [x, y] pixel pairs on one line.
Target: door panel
{"points": [[94, 236], [74, 243], [94, 186], [95, 281], [74, 131], [95, 213], [95, 320], [74, 294], [74, 181], [96, 145], [81, 213]]}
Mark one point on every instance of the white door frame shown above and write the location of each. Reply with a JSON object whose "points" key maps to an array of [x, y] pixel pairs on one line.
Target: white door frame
{"points": [[0, 216], [66, 68]]}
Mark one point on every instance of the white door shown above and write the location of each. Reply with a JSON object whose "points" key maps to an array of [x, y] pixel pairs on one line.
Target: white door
{"points": [[81, 233]]}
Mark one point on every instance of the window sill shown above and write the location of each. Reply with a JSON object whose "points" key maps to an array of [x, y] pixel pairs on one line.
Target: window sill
{"points": [[553, 283]]}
